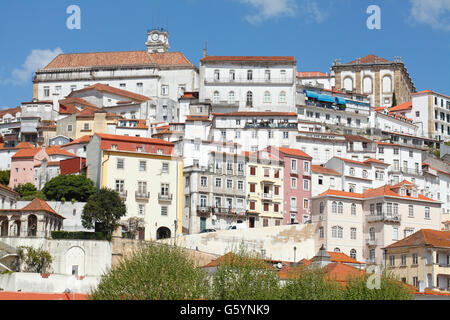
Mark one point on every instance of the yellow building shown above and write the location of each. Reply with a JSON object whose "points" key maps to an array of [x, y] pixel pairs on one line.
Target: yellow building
{"points": [[422, 260], [147, 177], [265, 189]]}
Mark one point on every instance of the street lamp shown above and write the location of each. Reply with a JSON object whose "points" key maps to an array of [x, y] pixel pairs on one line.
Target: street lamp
{"points": [[295, 251]]}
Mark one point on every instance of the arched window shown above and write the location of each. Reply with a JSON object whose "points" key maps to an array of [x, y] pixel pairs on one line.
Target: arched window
{"points": [[267, 97], [387, 84], [249, 99], [353, 209], [368, 85], [365, 174], [348, 84], [322, 207], [334, 207], [216, 97], [353, 254], [340, 208], [337, 250], [231, 98], [282, 97]]}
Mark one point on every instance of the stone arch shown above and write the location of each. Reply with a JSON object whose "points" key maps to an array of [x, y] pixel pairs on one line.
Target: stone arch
{"points": [[367, 84], [75, 259], [32, 225], [348, 83], [163, 233], [4, 226], [387, 83], [15, 229]]}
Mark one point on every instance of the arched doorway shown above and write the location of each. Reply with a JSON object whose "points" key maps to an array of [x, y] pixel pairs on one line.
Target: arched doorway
{"points": [[15, 227], [4, 226], [75, 261], [32, 226], [163, 233]]}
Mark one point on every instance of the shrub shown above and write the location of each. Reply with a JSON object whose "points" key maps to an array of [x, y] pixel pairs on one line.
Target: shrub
{"points": [[35, 260], [64, 235]]}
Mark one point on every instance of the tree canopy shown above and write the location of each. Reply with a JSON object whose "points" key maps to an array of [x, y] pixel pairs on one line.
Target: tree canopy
{"points": [[68, 188], [4, 177], [28, 192], [103, 210]]}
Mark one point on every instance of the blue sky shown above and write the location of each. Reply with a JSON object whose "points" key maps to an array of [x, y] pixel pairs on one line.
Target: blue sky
{"points": [[316, 32]]}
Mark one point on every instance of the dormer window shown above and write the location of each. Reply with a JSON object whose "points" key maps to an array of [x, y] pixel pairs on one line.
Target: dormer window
{"points": [[403, 192], [414, 193]]}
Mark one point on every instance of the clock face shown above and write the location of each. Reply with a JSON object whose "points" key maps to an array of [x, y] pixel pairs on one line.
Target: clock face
{"points": [[155, 36]]}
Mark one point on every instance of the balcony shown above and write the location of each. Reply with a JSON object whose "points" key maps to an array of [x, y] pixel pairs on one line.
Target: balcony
{"points": [[371, 242], [204, 211], [123, 194], [244, 80], [222, 211], [165, 197], [143, 196], [267, 196], [269, 125], [384, 217], [409, 171]]}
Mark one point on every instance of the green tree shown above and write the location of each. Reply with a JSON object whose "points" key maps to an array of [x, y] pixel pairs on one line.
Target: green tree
{"points": [[394, 100], [245, 276], [4, 177], [103, 210], [157, 272], [35, 260], [69, 187]]}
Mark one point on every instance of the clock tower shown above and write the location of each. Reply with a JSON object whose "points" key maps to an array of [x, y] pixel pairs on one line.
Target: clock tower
{"points": [[157, 41]]}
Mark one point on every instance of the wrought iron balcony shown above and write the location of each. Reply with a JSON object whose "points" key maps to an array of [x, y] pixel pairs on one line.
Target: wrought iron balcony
{"points": [[384, 217], [123, 194], [268, 125], [371, 242], [267, 196], [165, 197], [142, 195]]}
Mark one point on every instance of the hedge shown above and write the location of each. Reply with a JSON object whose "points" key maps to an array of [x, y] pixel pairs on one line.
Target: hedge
{"points": [[80, 235]]}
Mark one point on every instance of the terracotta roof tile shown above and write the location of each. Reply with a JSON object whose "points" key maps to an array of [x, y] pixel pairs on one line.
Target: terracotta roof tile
{"points": [[401, 107], [39, 205], [320, 169], [109, 89], [294, 152], [133, 139], [423, 237], [248, 58], [82, 140], [371, 58], [26, 153], [311, 74], [58, 151]]}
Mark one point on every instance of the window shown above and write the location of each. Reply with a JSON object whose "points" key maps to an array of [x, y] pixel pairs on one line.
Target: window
{"points": [[142, 165], [69, 128], [415, 281], [352, 171], [305, 204], [282, 97], [231, 98], [395, 234], [218, 183], [253, 171], [293, 203], [139, 87], [353, 209], [86, 126], [294, 165], [392, 261], [321, 233], [427, 213], [164, 189], [232, 75], [306, 185], [46, 91], [216, 74], [340, 208], [365, 174], [320, 180], [267, 97], [277, 190], [252, 187], [321, 208], [249, 75], [204, 182], [240, 185], [293, 183], [165, 90], [165, 167], [230, 184], [285, 135], [164, 210], [252, 205], [403, 260], [265, 222], [120, 186], [337, 232], [415, 259], [120, 163], [334, 207], [216, 97], [353, 233], [267, 75], [411, 211], [203, 201], [142, 187], [249, 102], [353, 254]]}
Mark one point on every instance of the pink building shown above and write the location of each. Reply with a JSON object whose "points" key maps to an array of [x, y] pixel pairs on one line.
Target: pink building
{"points": [[23, 163], [297, 184]]}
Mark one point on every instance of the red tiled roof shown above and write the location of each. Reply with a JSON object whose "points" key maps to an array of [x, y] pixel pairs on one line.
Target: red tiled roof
{"points": [[342, 194], [58, 151], [105, 88], [248, 58], [430, 92], [354, 138], [82, 140], [25, 296], [197, 118], [311, 74], [26, 153], [342, 257], [104, 136], [423, 237], [294, 152], [12, 111], [320, 169], [371, 58], [39, 205], [123, 58], [401, 107]]}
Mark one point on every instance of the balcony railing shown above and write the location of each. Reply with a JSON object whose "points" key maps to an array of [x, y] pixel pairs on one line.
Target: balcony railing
{"points": [[228, 211], [371, 242], [165, 197], [123, 194], [267, 196], [246, 81], [410, 171], [269, 125], [142, 195], [204, 210], [384, 217]]}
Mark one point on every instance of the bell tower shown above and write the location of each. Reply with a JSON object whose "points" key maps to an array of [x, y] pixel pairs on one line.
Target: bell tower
{"points": [[157, 41]]}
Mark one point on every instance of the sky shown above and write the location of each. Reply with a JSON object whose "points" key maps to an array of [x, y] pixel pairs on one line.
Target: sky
{"points": [[315, 32]]}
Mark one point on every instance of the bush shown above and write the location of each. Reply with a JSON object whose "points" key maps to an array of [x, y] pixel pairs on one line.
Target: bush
{"points": [[64, 235], [66, 187], [157, 272], [35, 260]]}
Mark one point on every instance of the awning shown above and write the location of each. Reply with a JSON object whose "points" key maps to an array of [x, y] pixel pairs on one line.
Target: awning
{"points": [[311, 94], [340, 100], [326, 98]]}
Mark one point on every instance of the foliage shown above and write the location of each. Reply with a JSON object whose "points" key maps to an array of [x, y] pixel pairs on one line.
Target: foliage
{"points": [[25, 189], [76, 187], [103, 208], [134, 225], [157, 272], [245, 276], [311, 284], [35, 260], [4, 177], [33, 195], [80, 235]]}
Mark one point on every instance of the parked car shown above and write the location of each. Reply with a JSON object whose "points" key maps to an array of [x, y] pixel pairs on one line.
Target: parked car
{"points": [[237, 226], [208, 230]]}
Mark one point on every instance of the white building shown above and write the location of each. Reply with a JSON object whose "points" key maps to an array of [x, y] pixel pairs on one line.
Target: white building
{"points": [[155, 72], [248, 83]]}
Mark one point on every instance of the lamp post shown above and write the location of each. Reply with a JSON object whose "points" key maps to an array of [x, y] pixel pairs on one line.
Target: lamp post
{"points": [[295, 251]]}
